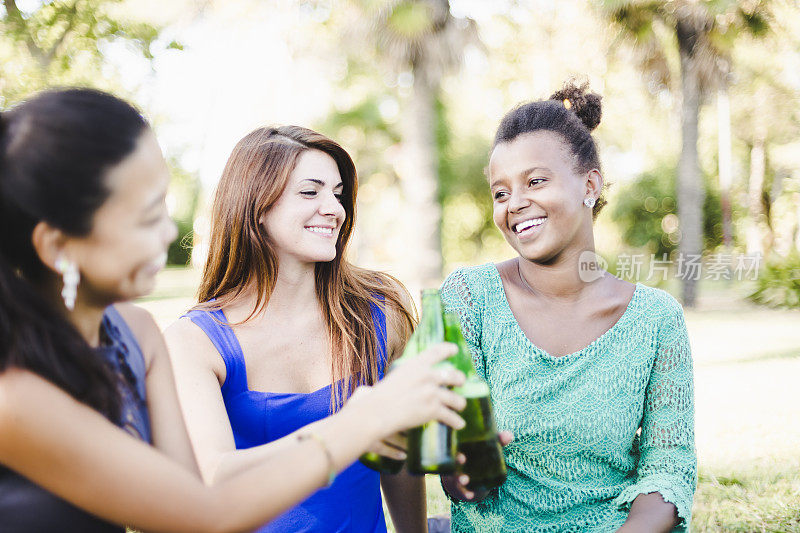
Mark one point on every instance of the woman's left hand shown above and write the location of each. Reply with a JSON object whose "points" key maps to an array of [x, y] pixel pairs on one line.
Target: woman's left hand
{"points": [[650, 513], [456, 485]]}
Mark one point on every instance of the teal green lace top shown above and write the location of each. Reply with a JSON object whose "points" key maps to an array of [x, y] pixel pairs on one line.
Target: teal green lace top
{"points": [[592, 429]]}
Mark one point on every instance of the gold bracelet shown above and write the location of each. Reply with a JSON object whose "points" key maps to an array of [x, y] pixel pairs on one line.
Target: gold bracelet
{"points": [[328, 455]]}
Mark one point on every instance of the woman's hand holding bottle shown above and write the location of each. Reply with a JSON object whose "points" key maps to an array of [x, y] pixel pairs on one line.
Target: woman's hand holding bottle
{"points": [[415, 392], [456, 485]]}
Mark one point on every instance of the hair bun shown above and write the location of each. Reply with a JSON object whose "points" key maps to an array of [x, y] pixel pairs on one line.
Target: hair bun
{"points": [[580, 101]]}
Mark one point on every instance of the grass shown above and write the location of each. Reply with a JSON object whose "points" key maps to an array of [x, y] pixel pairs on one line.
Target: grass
{"points": [[741, 499], [749, 499], [747, 396]]}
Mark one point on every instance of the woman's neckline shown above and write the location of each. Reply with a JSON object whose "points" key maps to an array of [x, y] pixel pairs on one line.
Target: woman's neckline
{"points": [[623, 319], [244, 368]]}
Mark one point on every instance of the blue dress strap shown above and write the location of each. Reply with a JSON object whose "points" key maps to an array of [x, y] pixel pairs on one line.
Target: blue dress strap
{"points": [[121, 349], [216, 327], [379, 321]]}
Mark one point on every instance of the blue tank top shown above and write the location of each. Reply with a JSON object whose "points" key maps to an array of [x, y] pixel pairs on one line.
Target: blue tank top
{"points": [[353, 502], [26, 507]]}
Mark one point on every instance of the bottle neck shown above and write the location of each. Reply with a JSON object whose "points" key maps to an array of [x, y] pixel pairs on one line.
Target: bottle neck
{"points": [[474, 387], [462, 360], [431, 327]]}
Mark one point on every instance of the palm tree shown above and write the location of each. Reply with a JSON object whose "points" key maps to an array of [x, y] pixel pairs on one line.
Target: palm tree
{"points": [[421, 41], [704, 31], [763, 123]]}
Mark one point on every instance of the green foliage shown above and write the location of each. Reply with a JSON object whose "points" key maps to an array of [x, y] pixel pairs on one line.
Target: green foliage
{"points": [[184, 194], [180, 250], [757, 23], [463, 192], [646, 210], [364, 115], [410, 19], [778, 284], [61, 42], [461, 161], [366, 134]]}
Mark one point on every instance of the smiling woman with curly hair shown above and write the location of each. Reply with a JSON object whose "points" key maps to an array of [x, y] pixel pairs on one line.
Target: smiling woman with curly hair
{"points": [[592, 374]]}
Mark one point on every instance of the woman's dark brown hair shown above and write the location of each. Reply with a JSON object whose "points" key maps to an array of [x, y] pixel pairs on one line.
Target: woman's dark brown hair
{"points": [[55, 153]]}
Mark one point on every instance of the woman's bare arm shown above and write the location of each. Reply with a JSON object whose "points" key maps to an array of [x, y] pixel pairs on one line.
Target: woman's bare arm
{"points": [[166, 422], [74, 452], [199, 374]]}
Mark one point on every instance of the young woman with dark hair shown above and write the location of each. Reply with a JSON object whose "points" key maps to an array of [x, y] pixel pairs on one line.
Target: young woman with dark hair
{"points": [[592, 374], [91, 433], [286, 327]]}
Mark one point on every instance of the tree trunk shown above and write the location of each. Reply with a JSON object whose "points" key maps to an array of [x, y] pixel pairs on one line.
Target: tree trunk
{"points": [[755, 193], [796, 239], [725, 163], [691, 192], [14, 17], [420, 183]]}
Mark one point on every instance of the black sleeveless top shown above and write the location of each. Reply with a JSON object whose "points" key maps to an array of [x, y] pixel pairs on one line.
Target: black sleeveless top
{"points": [[27, 508]]}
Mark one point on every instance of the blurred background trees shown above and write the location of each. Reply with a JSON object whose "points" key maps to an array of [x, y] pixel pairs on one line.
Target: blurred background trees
{"points": [[417, 43], [414, 90], [62, 43], [47, 44], [704, 33], [699, 138]]}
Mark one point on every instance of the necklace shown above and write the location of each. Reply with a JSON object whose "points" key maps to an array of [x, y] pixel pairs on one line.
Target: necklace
{"points": [[525, 283], [522, 278]]}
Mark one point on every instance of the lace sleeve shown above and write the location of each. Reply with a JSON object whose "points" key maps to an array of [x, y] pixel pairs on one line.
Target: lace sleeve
{"points": [[458, 296], [667, 462]]}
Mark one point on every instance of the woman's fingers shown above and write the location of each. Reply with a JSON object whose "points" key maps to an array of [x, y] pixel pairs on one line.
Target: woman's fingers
{"points": [[450, 377], [398, 440], [453, 400], [436, 353], [446, 416], [505, 437], [417, 391], [463, 481], [384, 449]]}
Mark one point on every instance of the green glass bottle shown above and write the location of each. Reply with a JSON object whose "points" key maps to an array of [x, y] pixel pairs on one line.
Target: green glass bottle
{"points": [[432, 446], [381, 463], [477, 440]]}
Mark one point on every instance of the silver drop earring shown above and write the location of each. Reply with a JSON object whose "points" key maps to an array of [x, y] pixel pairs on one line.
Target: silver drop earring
{"points": [[589, 202], [72, 277]]}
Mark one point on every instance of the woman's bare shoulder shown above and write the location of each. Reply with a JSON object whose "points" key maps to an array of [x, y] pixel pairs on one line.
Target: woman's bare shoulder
{"points": [[187, 343]]}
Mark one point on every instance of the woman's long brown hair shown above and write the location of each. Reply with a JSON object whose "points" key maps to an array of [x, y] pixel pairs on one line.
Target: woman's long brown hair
{"points": [[241, 254]]}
